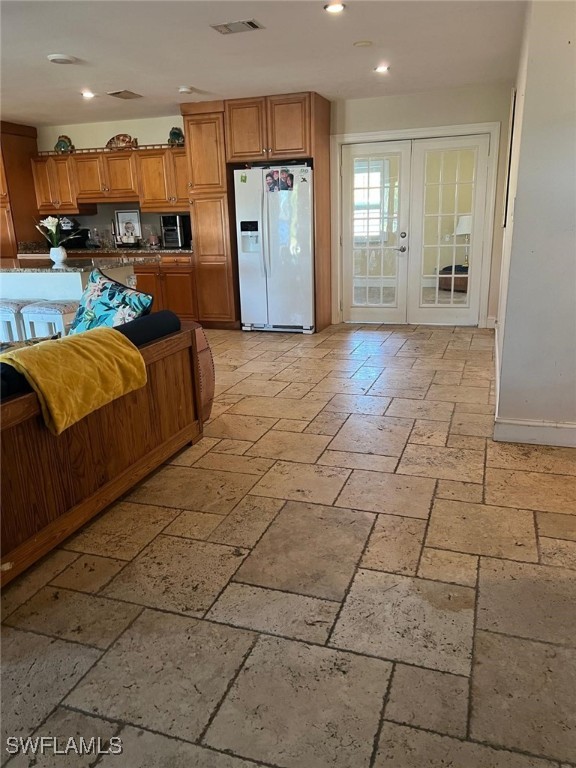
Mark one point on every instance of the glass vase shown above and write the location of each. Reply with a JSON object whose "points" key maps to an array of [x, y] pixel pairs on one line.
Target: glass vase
{"points": [[58, 255]]}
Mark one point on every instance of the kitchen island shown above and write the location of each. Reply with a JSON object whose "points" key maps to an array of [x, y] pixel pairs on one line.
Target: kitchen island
{"points": [[38, 278]]}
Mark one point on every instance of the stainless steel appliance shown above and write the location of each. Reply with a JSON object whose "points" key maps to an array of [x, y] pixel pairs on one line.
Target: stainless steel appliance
{"points": [[176, 231]]}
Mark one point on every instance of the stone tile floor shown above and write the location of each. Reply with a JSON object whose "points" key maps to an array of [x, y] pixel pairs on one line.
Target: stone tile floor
{"points": [[346, 572]]}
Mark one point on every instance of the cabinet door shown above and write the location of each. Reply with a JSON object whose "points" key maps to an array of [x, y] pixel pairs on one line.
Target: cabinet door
{"points": [[8, 245], [64, 183], [3, 184], [214, 276], [180, 178], [179, 291], [148, 280], [152, 180], [205, 151], [42, 182], [288, 119], [245, 129], [90, 181], [120, 175]]}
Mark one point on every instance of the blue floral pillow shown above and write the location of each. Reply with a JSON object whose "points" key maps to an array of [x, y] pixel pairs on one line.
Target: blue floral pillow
{"points": [[108, 303]]}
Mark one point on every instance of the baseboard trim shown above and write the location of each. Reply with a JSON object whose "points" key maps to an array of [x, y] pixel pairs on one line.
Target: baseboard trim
{"points": [[561, 434], [490, 321]]}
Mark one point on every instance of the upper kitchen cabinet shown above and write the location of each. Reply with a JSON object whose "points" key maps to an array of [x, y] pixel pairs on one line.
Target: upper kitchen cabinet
{"points": [[205, 150], [163, 179], [269, 128], [102, 176], [54, 182]]}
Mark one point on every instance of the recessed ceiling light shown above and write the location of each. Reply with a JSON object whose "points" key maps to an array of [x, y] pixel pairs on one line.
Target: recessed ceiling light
{"points": [[88, 94], [185, 89], [382, 68], [334, 7], [362, 43], [61, 58]]}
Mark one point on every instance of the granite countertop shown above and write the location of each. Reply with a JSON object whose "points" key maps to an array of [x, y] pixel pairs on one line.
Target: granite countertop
{"points": [[92, 253], [73, 265]]}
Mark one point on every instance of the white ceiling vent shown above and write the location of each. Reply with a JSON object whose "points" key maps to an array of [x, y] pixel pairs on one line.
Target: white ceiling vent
{"points": [[237, 26], [125, 94]]}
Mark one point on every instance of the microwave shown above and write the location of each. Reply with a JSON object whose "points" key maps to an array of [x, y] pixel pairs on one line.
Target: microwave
{"points": [[176, 231]]}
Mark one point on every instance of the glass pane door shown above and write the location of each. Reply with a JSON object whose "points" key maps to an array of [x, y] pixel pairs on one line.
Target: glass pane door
{"points": [[375, 218]]}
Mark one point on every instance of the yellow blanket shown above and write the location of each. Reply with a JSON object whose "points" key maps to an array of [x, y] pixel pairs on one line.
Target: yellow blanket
{"points": [[78, 374]]}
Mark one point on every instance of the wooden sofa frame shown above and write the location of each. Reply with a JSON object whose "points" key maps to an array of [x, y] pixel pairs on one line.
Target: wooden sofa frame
{"points": [[52, 485]]}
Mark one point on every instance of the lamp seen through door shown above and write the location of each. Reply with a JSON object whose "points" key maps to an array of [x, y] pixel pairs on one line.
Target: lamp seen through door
{"points": [[464, 227]]}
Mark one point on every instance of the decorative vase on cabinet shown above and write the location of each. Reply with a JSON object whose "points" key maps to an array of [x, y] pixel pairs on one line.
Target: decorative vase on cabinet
{"points": [[58, 255]]}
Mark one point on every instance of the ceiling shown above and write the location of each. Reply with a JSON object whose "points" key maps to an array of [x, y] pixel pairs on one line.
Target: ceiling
{"points": [[154, 46]]}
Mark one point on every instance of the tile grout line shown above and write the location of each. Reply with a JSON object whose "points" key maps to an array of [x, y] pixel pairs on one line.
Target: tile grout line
{"points": [[380, 725], [470, 708]]}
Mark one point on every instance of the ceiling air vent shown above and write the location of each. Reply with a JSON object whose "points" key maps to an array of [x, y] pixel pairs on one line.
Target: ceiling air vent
{"points": [[125, 94], [237, 26]]}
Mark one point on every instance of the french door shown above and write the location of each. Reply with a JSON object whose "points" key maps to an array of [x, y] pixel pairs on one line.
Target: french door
{"points": [[412, 224]]}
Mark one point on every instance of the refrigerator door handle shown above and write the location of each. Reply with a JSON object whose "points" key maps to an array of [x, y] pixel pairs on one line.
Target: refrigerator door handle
{"points": [[266, 234], [264, 237]]}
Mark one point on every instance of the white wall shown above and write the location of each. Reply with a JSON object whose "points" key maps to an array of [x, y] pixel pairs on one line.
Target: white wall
{"points": [[454, 106], [152, 130], [537, 393]]}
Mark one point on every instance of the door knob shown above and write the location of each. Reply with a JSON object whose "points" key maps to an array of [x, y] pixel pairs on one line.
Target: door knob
{"points": [[402, 234], [402, 249]]}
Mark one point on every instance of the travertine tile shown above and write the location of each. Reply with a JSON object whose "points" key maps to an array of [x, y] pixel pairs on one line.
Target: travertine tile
{"points": [[429, 432], [89, 573], [448, 377], [302, 482], [388, 494], [193, 525], [37, 672], [472, 424], [224, 462], [247, 521], [166, 672], [443, 463], [291, 425], [394, 378], [338, 385], [326, 423], [263, 366], [233, 447], [63, 725], [202, 490], [466, 442], [428, 699], [276, 407], [122, 531], [482, 530], [299, 705], [406, 619], [558, 552], [457, 491], [74, 616], [366, 404], [293, 375], [151, 750], [484, 408], [238, 427], [403, 747], [257, 387], [523, 695], [309, 549], [531, 490], [290, 446], [188, 456], [532, 601], [177, 574], [358, 461], [278, 613], [394, 545], [372, 434], [453, 567], [24, 586], [532, 458], [556, 526]]}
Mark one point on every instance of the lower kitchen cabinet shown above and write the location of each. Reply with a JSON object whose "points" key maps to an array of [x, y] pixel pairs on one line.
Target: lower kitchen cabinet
{"points": [[171, 284]]}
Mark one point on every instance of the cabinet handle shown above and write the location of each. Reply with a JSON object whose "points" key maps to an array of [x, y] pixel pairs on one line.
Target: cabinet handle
{"points": [[191, 202], [190, 184]]}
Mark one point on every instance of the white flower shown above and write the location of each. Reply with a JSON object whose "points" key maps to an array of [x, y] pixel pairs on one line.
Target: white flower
{"points": [[50, 222]]}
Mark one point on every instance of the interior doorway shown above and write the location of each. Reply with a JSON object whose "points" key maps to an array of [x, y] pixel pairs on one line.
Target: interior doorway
{"points": [[412, 230]]}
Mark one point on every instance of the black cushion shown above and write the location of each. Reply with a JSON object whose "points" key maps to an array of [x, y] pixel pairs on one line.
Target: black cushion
{"points": [[140, 331]]}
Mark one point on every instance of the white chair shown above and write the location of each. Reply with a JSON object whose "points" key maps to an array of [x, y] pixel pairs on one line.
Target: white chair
{"points": [[45, 318], [11, 322]]}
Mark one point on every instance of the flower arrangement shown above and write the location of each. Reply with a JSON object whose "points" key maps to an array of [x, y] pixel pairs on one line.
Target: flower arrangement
{"points": [[56, 230]]}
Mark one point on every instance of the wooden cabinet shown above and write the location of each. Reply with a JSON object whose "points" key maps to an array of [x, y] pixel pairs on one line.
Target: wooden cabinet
{"points": [[8, 244], [171, 283], [3, 183], [105, 176], [55, 186], [268, 128], [162, 179], [205, 151]]}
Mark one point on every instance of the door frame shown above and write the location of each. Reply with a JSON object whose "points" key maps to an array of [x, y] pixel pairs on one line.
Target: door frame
{"points": [[408, 134]]}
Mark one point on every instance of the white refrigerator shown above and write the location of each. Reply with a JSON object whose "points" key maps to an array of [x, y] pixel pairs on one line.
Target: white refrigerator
{"points": [[274, 227]]}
